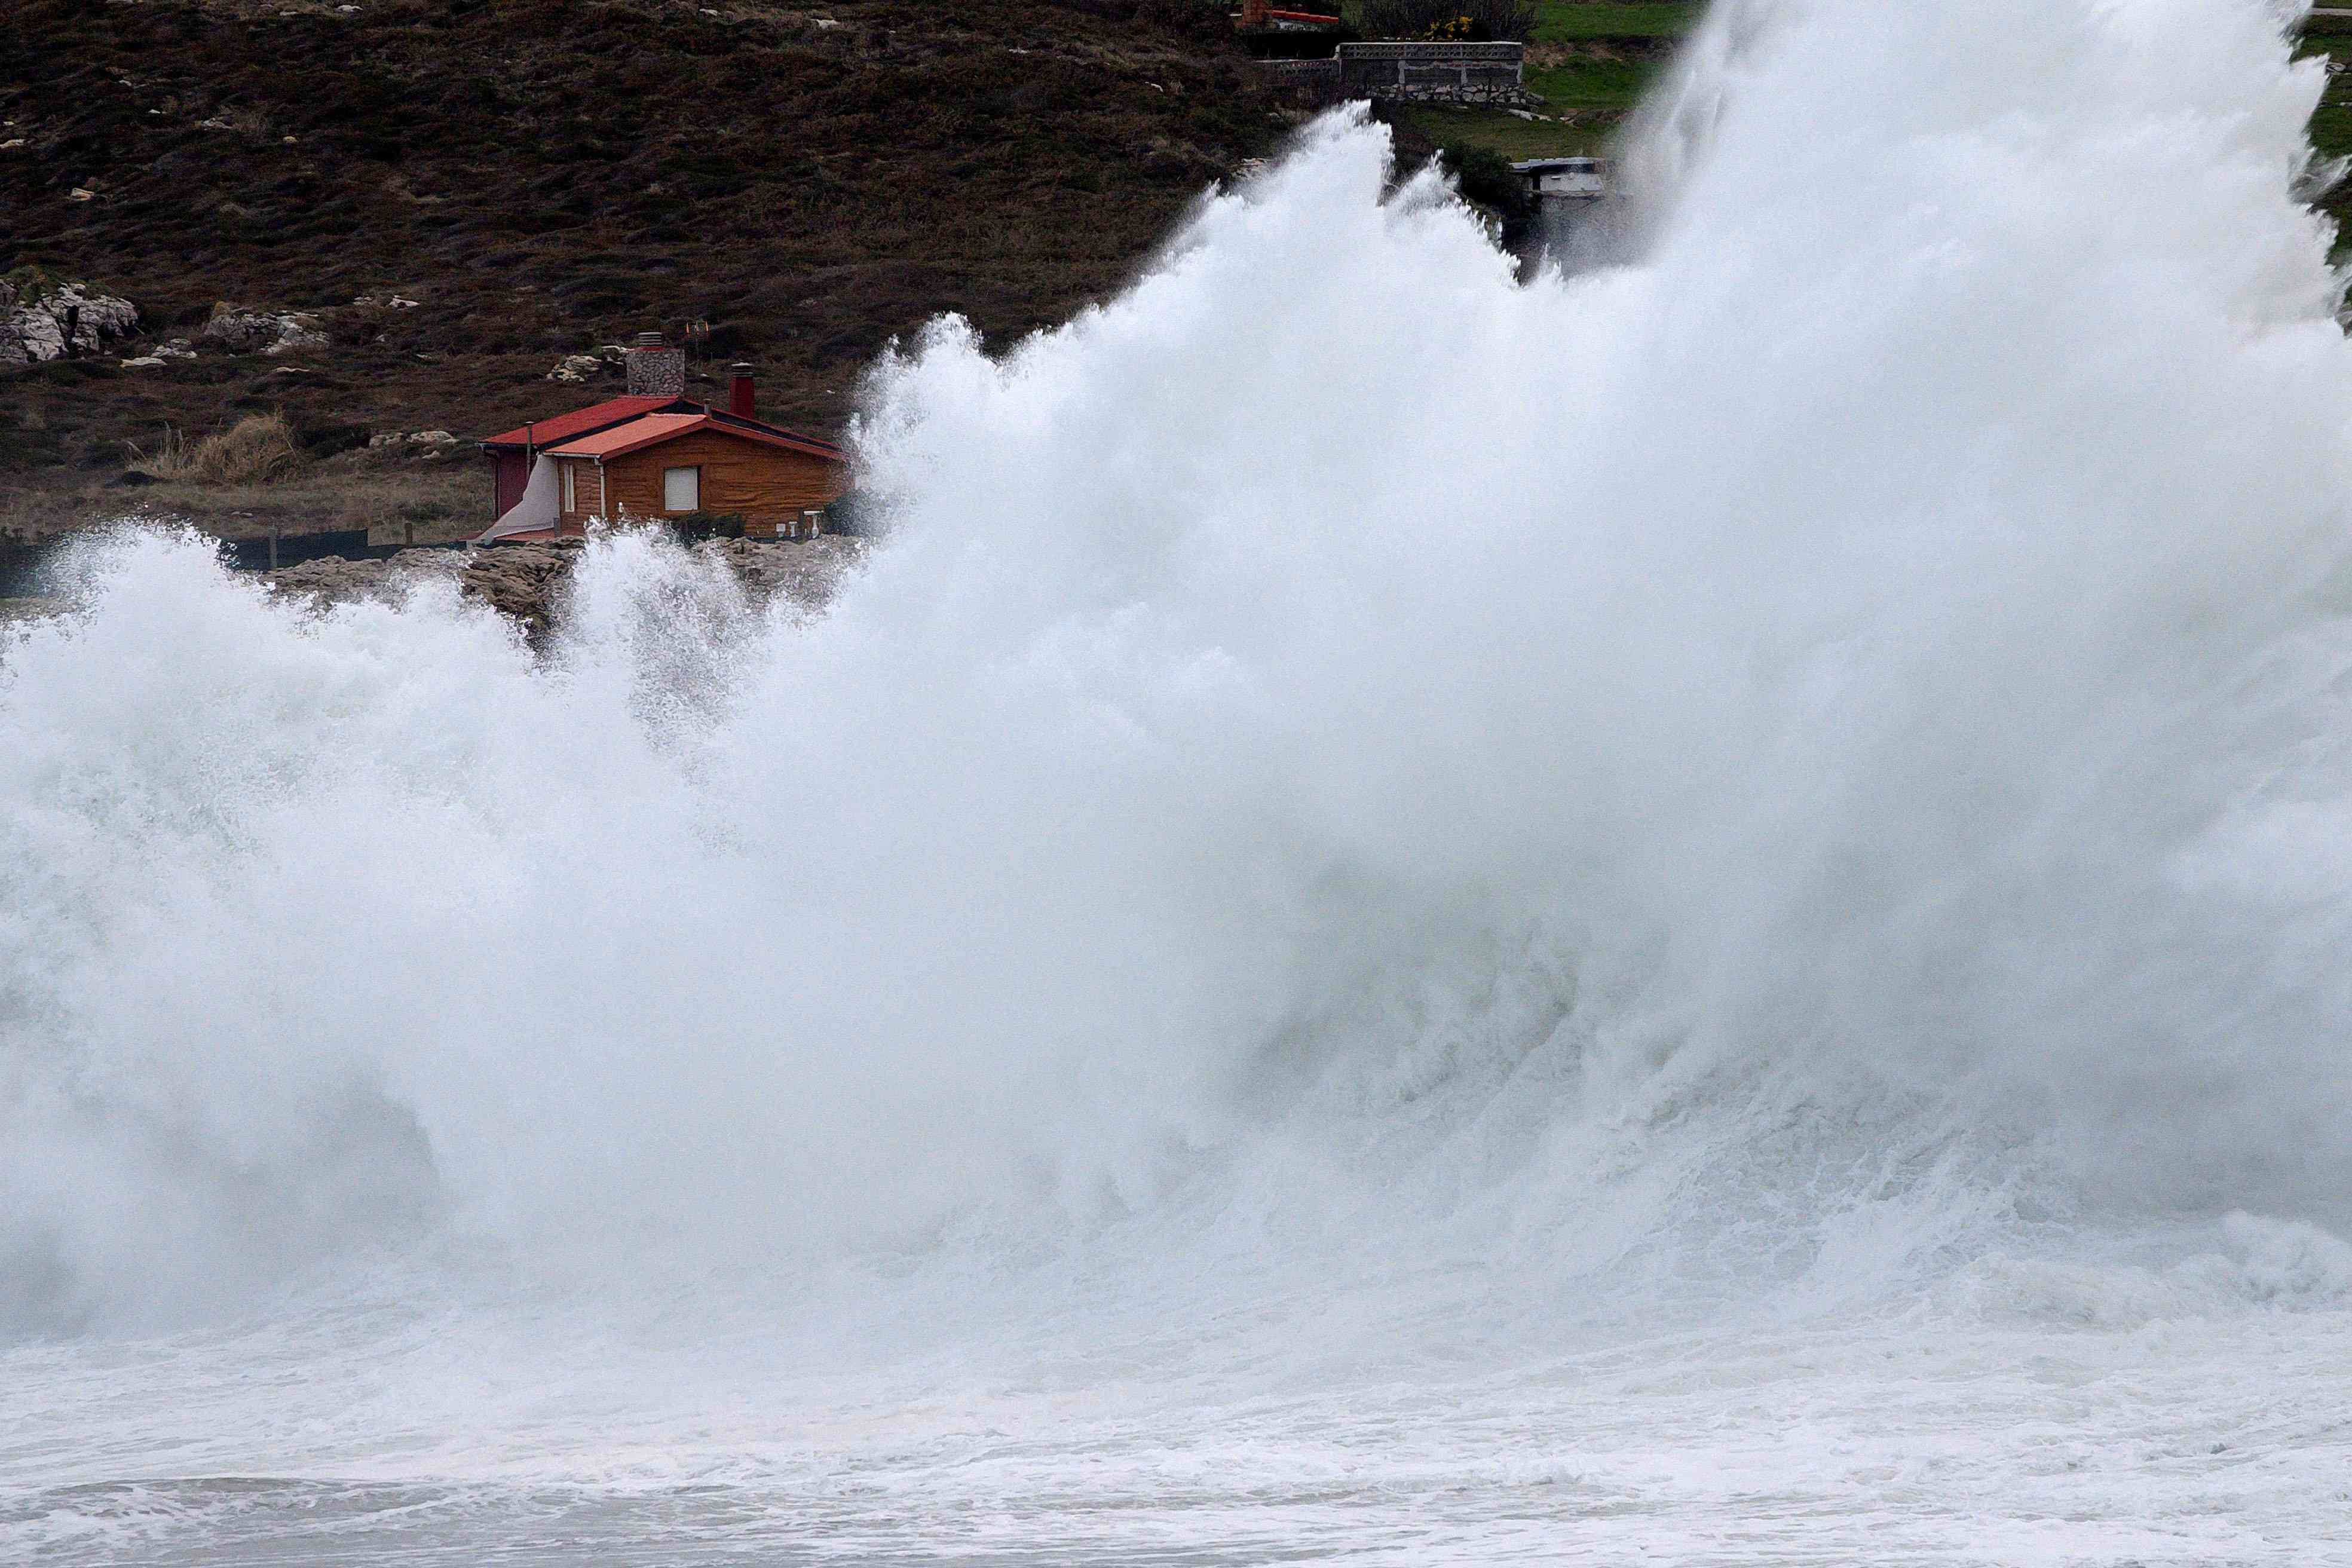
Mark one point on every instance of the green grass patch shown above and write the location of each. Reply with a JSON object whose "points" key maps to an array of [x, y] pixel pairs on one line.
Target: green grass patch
{"points": [[1502, 133], [1578, 21], [1590, 84], [1573, 21], [2331, 129]]}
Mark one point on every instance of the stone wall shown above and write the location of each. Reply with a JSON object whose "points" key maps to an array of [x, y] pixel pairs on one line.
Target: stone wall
{"points": [[655, 372]]}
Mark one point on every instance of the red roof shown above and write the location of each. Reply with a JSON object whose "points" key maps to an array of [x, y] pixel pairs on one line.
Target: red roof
{"points": [[582, 421], [816, 446], [653, 429]]}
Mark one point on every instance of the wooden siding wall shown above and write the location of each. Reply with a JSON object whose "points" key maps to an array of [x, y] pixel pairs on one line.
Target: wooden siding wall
{"points": [[583, 488], [762, 483]]}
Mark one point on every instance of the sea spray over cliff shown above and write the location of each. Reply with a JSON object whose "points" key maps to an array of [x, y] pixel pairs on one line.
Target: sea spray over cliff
{"points": [[1782, 765]]}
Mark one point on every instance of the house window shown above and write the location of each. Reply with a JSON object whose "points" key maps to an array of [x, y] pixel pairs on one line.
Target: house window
{"points": [[571, 488], [681, 490]]}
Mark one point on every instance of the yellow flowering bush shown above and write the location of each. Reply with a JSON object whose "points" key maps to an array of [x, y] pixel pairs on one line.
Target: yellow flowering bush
{"points": [[1445, 21]]}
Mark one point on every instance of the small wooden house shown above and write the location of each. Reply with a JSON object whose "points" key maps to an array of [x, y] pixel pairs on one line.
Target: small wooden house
{"points": [[674, 465], [656, 453], [512, 452]]}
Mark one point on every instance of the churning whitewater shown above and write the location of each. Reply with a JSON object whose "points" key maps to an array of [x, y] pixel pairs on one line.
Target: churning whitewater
{"points": [[1697, 905]]}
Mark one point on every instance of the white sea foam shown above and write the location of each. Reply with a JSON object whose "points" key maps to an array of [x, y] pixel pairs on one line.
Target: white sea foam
{"points": [[1376, 838]]}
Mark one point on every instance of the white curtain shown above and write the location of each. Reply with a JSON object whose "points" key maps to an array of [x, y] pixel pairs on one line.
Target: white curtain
{"points": [[539, 507]]}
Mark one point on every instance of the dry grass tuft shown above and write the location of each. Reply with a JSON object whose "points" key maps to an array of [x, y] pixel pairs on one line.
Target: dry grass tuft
{"points": [[173, 459], [258, 449]]}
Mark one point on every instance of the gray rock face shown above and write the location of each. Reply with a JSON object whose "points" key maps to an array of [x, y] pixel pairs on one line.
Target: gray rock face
{"points": [[240, 332], [526, 582], [807, 574], [33, 325], [427, 445], [30, 336], [104, 315], [160, 355], [246, 331]]}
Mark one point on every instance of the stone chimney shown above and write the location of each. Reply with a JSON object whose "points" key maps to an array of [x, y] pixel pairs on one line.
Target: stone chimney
{"points": [[742, 395], [655, 369]]}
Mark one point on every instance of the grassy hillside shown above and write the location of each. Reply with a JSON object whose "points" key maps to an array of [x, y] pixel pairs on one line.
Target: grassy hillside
{"points": [[542, 176]]}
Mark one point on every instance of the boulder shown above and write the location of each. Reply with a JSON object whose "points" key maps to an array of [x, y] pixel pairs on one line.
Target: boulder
{"points": [[240, 332], [160, 355], [35, 308], [527, 582], [573, 369], [246, 332], [297, 334], [105, 315], [412, 442], [31, 336]]}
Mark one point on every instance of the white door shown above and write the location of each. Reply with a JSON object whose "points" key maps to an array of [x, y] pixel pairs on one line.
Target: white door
{"points": [[681, 490]]}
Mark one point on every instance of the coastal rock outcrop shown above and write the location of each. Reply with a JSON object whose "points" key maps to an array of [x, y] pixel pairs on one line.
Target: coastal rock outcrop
{"points": [[37, 313], [425, 443], [160, 355], [244, 331], [29, 337], [526, 582]]}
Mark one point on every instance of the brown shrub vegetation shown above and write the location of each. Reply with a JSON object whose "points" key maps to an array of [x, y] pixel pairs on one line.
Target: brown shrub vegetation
{"points": [[1441, 18], [258, 449], [548, 175]]}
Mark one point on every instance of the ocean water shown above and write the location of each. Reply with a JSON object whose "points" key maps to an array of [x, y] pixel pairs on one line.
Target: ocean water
{"points": [[1689, 910]]}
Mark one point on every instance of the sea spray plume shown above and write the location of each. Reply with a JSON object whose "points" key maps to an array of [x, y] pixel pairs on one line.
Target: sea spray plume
{"points": [[1927, 373], [1672, 130], [1816, 475], [1780, 766], [1988, 453]]}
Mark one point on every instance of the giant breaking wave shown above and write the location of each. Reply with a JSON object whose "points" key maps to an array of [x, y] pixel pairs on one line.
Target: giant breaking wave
{"points": [[1771, 764]]}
